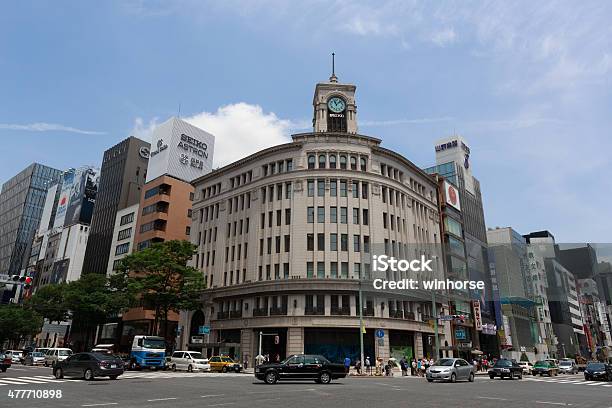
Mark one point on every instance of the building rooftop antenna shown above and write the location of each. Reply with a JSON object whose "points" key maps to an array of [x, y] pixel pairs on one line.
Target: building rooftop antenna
{"points": [[333, 77]]}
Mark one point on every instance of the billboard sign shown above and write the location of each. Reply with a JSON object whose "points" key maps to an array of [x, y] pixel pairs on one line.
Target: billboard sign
{"points": [[62, 204], [451, 195], [82, 197], [180, 150]]}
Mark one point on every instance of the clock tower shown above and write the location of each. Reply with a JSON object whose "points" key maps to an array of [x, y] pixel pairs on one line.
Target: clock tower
{"points": [[334, 107]]}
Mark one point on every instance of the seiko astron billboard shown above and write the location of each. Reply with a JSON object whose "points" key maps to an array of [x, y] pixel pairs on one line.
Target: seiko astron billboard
{"points": [[180, 150]]}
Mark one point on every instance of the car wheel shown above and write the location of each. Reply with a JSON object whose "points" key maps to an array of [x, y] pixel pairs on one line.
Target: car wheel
{"points": [[453, 378], [471, 378], [58, 373], [133, 365], [88, 375], [113, 377], [173, 367], [325, 377], [271, 377], [492, 377], [224, 369], [190, 368], [430, 379], [520, 376], [4, 369], [46, 364]]}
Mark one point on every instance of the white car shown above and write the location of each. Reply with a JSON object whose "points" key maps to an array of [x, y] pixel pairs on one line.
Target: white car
{"points": [[189, 360], [15, 355], [527, 367], [54, 355]]}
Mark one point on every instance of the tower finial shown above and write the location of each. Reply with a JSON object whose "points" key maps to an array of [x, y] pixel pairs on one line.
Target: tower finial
{"points": [[333, 77]]}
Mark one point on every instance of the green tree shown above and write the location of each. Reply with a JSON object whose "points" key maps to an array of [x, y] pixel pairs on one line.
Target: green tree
{"points": [[49, 302], [161, 277], [17, 323]]}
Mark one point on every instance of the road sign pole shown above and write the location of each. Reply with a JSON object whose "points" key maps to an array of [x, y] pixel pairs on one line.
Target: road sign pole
{"points": [[361, 326], [435, 316]]}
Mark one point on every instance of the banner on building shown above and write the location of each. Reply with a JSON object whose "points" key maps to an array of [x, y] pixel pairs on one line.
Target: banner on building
{"points": [[477, 315], [451, 195]]}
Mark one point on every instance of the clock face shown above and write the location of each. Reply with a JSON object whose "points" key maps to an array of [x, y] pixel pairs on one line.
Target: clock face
{"points": [[336, 104]]}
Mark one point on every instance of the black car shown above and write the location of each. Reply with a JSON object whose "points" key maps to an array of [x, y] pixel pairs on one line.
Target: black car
{"points": [[301, 367], [506, 368], [598, 371], [89, 366]]}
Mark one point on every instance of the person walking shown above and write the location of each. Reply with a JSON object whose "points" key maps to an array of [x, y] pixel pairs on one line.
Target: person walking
{"points": [[347, 364], [358, 367], [413, 366], [419, 362], [404, 366], [368, 366]]}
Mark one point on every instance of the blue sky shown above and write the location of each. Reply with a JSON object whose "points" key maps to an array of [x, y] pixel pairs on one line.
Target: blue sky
{"points": [[526, 83]]}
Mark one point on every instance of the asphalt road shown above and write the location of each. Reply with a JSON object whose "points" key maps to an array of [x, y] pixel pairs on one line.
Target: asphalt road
{"points": [[141, 389]]}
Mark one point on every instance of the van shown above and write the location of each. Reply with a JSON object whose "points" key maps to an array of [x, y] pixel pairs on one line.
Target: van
{"points": [[56, 354], [189, 360]]}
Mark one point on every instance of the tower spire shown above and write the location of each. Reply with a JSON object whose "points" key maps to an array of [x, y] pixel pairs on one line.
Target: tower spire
{"points": [[333, 77]]}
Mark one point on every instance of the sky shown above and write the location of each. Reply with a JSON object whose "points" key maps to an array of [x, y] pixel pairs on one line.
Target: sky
{"points": [[526, 83]]}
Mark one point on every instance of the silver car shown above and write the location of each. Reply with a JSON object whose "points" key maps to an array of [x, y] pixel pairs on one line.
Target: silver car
{"points": [[451, 369]]}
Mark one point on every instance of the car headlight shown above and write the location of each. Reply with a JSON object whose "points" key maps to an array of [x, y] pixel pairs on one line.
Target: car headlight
{"points": [[505, 370]]}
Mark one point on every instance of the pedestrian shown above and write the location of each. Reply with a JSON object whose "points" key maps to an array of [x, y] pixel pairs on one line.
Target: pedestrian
{"points": [[245, 363], [404, 366], [419, 363], [389, 368], [368, 366], [347, 365], [413, 366], [358, 367]]}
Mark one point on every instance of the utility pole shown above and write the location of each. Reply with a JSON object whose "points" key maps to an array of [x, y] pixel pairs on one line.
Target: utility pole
{"points": [[435, 317], [361, 324]]}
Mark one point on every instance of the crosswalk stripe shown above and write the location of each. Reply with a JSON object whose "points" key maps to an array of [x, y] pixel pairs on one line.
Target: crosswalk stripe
{"points": [[7, 381], [49, 380], [28, 381]]}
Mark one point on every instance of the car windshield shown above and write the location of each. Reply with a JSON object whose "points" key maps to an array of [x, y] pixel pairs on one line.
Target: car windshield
{"points": [[195, 354], [596, 366], [64, 352], [153, 343], [227, 360], [37, 354], [565, 363], [445, 362], [542, 363], [503, 363]]}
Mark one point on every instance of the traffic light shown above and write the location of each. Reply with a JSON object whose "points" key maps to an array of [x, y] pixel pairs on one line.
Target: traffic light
{"points": [[25, 281], [460, 318]]}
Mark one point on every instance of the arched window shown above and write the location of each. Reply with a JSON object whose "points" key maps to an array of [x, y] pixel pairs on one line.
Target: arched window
{"points": [[343, 162], [363, 164], [311, 161], [332, 161], [321, 161], [353, 163]]}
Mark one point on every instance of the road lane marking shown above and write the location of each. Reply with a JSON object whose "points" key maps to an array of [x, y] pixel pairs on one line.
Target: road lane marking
{"points": [[100, 405], [494, 398], [222, 404], [211, 395], [162, 399], [553, 403], [9, 381]]}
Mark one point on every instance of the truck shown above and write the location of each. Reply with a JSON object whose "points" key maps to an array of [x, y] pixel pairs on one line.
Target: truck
{"points": [[148, 352]]}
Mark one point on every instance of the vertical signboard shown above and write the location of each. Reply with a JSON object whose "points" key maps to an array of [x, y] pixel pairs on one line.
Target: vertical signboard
{"points": [[64, 198], [477, 315], [451, 195]]}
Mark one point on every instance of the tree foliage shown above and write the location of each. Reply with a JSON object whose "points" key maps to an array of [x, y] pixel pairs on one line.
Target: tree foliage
{"points": [[17, 323], [49, 302], [161, 277]]}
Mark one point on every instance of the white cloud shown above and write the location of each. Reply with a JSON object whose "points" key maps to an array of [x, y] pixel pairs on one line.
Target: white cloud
{"points": [[48, 127], [444, 37], [240, 129]]}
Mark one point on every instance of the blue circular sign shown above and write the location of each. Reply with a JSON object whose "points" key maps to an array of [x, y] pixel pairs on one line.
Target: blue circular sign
{"points": [[380, 333]]}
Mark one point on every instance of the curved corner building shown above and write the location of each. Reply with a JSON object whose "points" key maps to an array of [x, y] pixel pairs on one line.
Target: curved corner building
{"points": [[285, 241]]}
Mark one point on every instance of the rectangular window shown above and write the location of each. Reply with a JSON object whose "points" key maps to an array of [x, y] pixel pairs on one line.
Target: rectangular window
{"points": [[310, 242], [333, 215], [287, 242], [286, 270], [344, 270], [355, 215], [310, 215], [333, 187], [122, 249], [384, 218], [309, 270], [269, 219], [279, 191], [344, 242], [289, 164], [453, 226], [310, 188], [279, 218], [333, 242], [357, 270], [287, 190], [356, 242], [355, 189], [343, 215], [320, 188], [276, 271], [320, 269], [321, 242], [278, 244], [261, 246], [320, 214], [333, 269], [269, 245], [342, 188], [268, 274], [364, 190], [127, 218], [365, 219], [263, 220], [124, 234]]}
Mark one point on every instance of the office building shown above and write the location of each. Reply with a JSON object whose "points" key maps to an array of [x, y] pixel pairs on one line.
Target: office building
{"points": [[122, 176], [22, 199]]}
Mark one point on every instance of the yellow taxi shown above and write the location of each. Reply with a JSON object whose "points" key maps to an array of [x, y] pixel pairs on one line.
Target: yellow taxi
{"points": [[224, 364]]}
